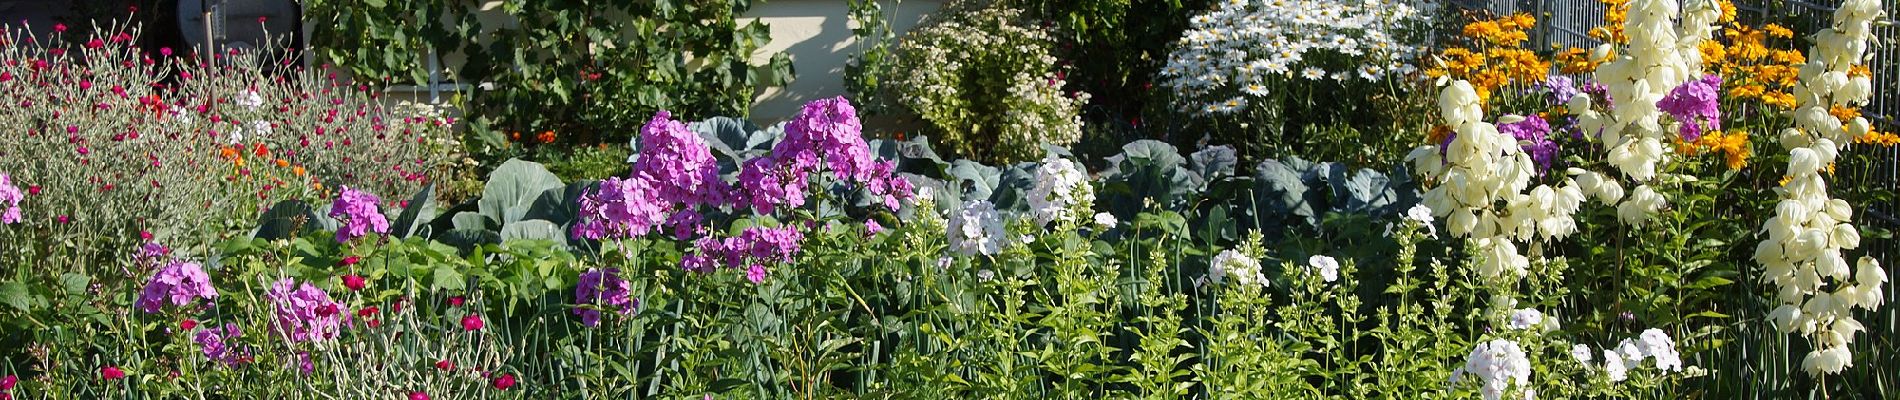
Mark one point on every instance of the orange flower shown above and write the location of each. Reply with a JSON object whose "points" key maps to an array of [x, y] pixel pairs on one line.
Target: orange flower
{"points": [[514, 136], [228, 153], [281, 163], [1843, 113], [545, 137], [298, 171], [1776, 30]]}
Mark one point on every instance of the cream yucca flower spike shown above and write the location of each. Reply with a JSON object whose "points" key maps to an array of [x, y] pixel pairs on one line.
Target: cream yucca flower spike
{"points": [[1483, 177], [1805, 239], [1661, 54]]}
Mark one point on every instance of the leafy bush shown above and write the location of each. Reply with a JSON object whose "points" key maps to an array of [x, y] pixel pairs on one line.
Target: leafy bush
{"points": [[566, 66], [983, 76]]}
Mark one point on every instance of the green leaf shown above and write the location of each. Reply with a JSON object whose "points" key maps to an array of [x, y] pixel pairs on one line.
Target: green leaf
{"points": [[15, 294], [446, 278], [421, 207], [512, 189]]}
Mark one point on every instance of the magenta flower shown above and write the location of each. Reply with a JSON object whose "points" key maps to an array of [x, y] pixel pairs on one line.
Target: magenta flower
{"points": [[180, 282], [111, 372], [603, 287], [354, 282], [471, 322], [756, 274], [360, 214], [303, 312], [825, 133], [871, 227]]}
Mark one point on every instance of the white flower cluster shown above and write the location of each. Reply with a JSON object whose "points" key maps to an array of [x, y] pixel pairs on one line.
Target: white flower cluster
{"points": [[1499, 365], [1803, 251], [1236, 51], [1243, 268], [1060, 187], [1652, 344], [976, 46], [1481, 168], [976, 229], [1661, 55]]}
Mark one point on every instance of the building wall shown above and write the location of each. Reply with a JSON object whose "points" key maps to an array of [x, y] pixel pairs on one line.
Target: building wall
{"points": [[816, 34]]}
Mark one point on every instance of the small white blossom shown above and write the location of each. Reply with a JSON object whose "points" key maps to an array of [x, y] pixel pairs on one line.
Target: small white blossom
{"points": [[1327, 267], [1526, 318], [1499, 365], [976, 229], [1105, 221], [1581, 352], [1243, 268], [249, 99]]}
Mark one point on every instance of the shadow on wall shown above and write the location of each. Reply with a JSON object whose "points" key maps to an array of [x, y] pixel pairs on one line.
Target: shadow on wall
{"points": [[816, 34]]}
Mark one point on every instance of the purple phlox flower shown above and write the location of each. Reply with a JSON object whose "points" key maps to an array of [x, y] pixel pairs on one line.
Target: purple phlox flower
{"points": [[603, 287], [360, 214], [871, 227], [825, 133], [304, 365], [619, 208], [1599, 93], [304, 313], [1695, 106], [215, 343], [680, 170], [10, 197], [179, 282], [754, 245], [1558, 90], [756, 274], [152, 253], [1533, 136]]}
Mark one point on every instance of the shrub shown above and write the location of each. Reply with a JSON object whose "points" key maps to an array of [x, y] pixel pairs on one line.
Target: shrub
{"points": [[577, 68], [983, 76]]}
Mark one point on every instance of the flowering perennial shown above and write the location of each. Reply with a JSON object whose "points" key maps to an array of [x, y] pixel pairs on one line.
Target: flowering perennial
{"points": [[360, 214], [10, 198], [752, 248], [976, 229], [602, 287], [1061, 187], [1245, 269], [1499, 365], [304, 313], [1806, 237], [215, 343], [1251, 45], [179, 282]]}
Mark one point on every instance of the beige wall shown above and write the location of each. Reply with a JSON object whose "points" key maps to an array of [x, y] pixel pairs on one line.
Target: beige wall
{"points": [[817, 36]]}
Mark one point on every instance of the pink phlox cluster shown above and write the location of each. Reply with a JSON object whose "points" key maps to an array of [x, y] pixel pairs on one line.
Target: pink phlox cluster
{"points": [[360, 214], [304, 313], [603, 287], [179, 282], [1695, 104], [10, 197]]}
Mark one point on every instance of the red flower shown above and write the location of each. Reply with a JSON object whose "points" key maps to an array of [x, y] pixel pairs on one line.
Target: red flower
{"points": [[455, 301], [7, 382], [505, 381], [418, 396], [471, 322], [188, 324], [444, 365], [59, 27], [95, 43], [33, 190], [145, 235], [354, 282], [111, 372], [367, 311], [351, 260]]}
